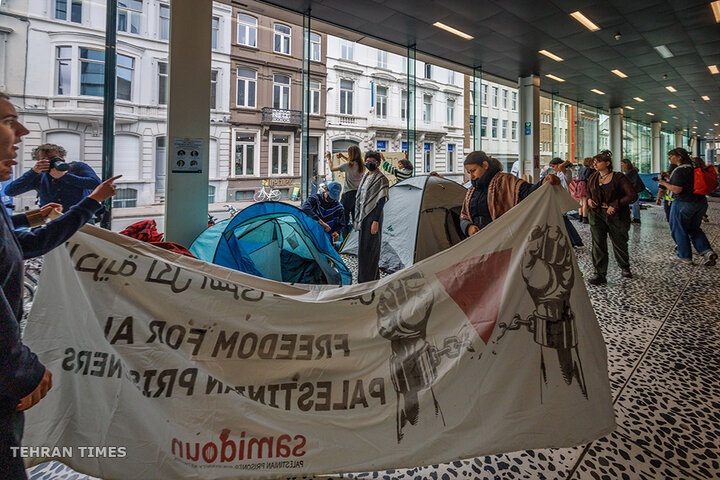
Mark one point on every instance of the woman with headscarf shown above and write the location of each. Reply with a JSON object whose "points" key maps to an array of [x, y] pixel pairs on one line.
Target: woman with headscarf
{"points": [[372, 193], [609, 197], [492, 192], [687, 210]]}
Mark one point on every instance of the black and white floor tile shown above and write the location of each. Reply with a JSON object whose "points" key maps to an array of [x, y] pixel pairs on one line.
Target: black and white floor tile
{"points": [[662, 330]]}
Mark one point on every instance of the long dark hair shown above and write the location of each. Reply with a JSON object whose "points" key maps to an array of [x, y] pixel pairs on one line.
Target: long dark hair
{"points": [[605, 156], [355, 158], [629, 164], [683, 154]]}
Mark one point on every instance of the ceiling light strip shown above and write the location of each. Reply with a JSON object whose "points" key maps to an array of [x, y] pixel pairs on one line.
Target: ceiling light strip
{"points": [[552, 55], [664, 51], [585, 21], [716, 10], [671, 89], [599, 92], [455, 31], [638, 99], [553, 77], [713, 69], [619, 73]]}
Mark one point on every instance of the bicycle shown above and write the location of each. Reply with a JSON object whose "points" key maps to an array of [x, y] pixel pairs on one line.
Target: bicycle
{"points": [[30, 283], [268, 193], [231, 210]]}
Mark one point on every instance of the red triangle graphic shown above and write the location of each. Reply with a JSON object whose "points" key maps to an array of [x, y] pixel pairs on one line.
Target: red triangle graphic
{"points": [[476, 286]]}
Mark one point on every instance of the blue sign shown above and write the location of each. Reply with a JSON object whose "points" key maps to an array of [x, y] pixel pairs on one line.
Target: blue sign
{"points": [[528, 128], [427, 146], [404, 145], [381, 144], [451, 147]]}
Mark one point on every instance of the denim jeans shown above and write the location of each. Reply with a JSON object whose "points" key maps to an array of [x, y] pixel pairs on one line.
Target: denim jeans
{"points": [[685, 220], [635, 210]]}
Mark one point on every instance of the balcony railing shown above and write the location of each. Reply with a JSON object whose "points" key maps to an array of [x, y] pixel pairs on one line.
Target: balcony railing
{"points": [[281, 116]]}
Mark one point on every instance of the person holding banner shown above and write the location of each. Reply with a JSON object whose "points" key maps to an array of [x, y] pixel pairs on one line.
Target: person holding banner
{"points": [[492, 192], [353, 170], [24, 381], [403, 171], [371, 197]]}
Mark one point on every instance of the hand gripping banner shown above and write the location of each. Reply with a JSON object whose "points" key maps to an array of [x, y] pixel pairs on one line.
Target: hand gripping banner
{"points": [[198, 371]]}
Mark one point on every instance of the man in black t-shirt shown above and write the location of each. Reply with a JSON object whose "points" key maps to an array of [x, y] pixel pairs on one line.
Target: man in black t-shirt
{"points": [[687, 210]]}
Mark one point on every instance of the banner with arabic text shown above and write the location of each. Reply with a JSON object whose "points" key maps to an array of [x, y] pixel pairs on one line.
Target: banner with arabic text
{"points": [[166, 367]]}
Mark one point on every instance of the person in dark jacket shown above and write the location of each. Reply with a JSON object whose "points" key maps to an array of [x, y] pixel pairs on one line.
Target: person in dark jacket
{"points": [[609, 197], [687, 210], [326, 209], [371, 197], [492, 192], [631, 172], [24, 381], [66, 187]]}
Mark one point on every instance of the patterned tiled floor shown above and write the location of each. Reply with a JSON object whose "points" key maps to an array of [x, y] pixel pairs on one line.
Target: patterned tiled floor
{"points": [[662, 330]]}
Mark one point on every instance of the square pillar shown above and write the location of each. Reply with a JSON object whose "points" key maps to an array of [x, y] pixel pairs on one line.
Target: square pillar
{"points": [[186, 194], [616, 136], [529, 119], [655, 147]]}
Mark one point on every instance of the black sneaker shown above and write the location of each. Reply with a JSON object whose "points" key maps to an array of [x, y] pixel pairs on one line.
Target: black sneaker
{"points": [[710, 259], [597, 280], [635, 220], [626, 273]]}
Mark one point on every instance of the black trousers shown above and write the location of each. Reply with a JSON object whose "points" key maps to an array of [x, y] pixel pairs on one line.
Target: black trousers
{"points": [[348, 202], [12, 466], [369, 251]]}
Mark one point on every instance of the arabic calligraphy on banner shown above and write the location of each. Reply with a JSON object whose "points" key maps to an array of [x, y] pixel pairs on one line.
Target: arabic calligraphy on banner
{"points": [[201, 371]]}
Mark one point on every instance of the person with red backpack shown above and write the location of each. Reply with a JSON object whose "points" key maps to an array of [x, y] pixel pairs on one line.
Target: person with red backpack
{"points": [[687, 210]]}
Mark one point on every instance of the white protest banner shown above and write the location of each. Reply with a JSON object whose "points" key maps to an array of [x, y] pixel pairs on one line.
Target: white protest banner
{"points": [[172, 368]]}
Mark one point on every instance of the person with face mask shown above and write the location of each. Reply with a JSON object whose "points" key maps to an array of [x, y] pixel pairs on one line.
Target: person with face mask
{"points": [[371, 197]]}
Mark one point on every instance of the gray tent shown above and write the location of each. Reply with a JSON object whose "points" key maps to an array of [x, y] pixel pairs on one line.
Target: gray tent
{"points": [[421, 218]]}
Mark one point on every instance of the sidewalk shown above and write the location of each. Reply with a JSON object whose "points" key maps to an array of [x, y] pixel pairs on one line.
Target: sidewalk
{"points": [[122, 217]]}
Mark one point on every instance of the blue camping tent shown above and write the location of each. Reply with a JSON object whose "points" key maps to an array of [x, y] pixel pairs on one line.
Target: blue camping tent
{"points": [[273, 240]]}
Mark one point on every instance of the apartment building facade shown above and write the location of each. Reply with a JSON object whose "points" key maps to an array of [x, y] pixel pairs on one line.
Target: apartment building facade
{"points": [[267, 103], [54, 65]]}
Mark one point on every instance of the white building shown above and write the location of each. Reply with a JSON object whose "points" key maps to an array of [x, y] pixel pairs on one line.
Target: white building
{"points": [[367, 106], [499, 125], [56, 80]]}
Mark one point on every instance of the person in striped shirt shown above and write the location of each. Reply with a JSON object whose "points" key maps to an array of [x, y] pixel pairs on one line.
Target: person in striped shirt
{"points": [[404, 171]]}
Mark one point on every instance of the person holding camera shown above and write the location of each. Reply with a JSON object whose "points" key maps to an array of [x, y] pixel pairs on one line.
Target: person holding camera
{"points": [[687, 211], [24, 381], [55, 180]]}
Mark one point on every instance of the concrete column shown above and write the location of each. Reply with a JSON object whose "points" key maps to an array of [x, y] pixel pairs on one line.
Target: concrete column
{"points": [[186, 204], [529, 119], [678, 139], [616, 136], [695, 143], [655, 147]]}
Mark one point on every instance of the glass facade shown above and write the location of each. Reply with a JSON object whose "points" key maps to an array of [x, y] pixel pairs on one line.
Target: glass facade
{"points": [[636, 144], [586, 127], [271, 123]]}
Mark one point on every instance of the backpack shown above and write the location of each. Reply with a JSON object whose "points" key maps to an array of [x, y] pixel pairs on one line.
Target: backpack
{"points": [[638, 184], [705, 181]]}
